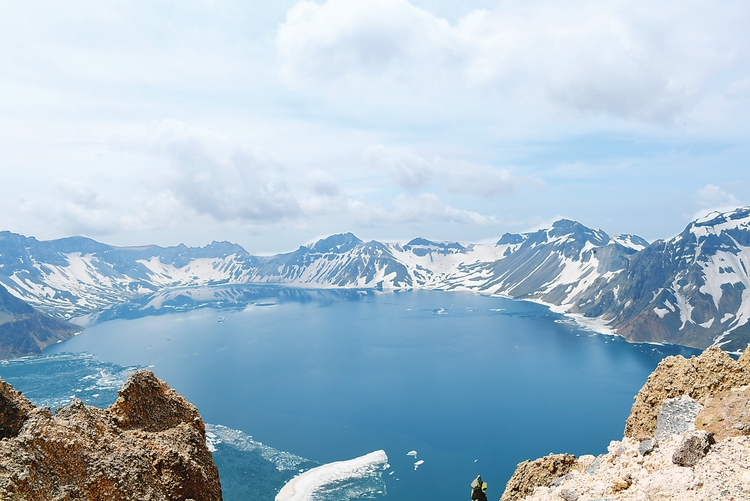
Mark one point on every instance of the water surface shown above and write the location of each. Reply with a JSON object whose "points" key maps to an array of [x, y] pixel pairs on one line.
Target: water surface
{"points": [[474, 384]]}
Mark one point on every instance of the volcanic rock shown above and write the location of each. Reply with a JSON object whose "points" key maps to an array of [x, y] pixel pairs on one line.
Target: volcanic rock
{"points": [[532, 474], [726, 414], [14, 409], [699, 377], [693, 447], [149, 445]]}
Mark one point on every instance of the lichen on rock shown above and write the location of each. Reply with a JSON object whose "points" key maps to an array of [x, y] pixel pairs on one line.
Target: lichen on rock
{"points": [[149, 445]]}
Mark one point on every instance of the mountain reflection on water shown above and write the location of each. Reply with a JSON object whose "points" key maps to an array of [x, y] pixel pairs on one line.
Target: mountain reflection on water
{"points": [[234, 297]]}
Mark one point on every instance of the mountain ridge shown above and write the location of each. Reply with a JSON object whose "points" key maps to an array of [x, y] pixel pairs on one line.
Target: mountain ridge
{"points": [[25, 331], [692, 289]]}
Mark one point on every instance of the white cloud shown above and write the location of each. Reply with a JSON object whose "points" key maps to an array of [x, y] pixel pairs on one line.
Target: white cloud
{"points": [[371, 37], [78, 207], [412, 171], [713, 198], [225, 181], [428, 207], [409, 170], [415, 210], [621, 59]]}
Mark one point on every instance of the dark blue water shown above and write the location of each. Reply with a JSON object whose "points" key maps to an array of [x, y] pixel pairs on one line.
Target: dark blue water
{"points": [[474, 384]]}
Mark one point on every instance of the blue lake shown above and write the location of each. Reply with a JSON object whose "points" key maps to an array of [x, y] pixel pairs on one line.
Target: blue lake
{"points": [[474, 384]]}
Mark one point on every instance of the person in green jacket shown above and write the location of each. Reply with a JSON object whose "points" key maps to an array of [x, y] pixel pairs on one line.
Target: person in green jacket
{"points": [[478, 489]]}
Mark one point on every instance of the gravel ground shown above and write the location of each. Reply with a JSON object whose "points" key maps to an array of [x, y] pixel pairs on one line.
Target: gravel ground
{"points": [[623, 474]]}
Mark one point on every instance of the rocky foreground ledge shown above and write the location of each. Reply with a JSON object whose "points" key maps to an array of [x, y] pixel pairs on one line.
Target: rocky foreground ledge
{"points": [[148, 445], [687, 438]]}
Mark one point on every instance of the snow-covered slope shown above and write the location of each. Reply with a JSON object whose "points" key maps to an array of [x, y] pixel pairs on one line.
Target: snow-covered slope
{"points": [[76, 276], [691, 290]]}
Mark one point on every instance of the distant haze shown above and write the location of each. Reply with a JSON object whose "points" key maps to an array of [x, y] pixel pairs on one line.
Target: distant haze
{"points": [[272, 124]]}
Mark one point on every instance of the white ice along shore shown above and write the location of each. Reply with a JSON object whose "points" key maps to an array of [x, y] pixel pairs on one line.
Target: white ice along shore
{"points": [[360, 476]]}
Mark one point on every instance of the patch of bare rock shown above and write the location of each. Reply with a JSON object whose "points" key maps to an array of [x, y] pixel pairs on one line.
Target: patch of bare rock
{"points": [[149, 445], [687, 438]]}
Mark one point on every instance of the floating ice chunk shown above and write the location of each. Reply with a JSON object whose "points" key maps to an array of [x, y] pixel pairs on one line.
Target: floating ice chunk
{"points": [[391, 473], [329, 477], [412, 453], [418, 464]]}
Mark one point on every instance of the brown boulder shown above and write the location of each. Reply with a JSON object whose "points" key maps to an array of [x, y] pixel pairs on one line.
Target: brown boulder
{"points": [[532, 474], [149, 445]]}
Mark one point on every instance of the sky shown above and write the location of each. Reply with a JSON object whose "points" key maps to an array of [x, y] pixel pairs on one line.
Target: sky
{"points": [[272, 124]]}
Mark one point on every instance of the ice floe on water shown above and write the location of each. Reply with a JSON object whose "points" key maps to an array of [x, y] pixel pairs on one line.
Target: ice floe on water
{"points": [[218, 434], [412, 453], [54, 380], [249, 469], [418, 464], [342, 480]]}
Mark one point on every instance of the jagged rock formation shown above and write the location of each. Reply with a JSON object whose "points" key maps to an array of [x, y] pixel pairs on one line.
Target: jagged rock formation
{"points": [[698, 377], [706, 457], [25, 331], [149, 445]]}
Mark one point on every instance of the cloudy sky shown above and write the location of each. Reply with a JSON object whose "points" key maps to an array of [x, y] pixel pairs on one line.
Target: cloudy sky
{"points": [[273, 123]]}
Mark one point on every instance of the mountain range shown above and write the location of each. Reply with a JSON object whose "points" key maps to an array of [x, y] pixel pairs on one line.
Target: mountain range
{"points": [[690, 290]]}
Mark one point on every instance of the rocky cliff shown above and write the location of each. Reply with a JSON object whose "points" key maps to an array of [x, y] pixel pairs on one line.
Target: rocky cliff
{"points": [[687, 438], [25, 331], [148, 445]]}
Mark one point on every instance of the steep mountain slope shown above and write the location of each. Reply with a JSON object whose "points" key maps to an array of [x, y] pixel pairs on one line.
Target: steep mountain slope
{"points": [[690, 290], [76, 276], [693, 289], [556, 265], [24, 331]]}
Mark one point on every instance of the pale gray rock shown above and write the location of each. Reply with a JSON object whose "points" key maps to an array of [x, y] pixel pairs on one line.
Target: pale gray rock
{"points": [[646, 447], [676, 415], [569, 494]]}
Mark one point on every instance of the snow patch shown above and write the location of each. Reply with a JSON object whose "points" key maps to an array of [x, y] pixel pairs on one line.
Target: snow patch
{"points": [[661, 312]]}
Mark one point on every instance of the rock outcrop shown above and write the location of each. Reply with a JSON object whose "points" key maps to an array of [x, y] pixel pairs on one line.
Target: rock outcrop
{"points": [[726, 414], [149, 445], [700, 378], [687, 438], [532, 474]]}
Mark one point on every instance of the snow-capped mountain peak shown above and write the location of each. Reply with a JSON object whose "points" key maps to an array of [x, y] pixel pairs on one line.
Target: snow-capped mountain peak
{"points": [[693, 289]]}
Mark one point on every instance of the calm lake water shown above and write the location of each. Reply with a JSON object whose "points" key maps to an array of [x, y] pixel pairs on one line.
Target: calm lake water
{"points": [[473, 384]]}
